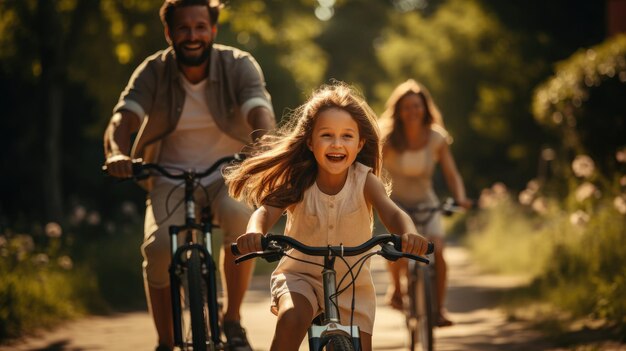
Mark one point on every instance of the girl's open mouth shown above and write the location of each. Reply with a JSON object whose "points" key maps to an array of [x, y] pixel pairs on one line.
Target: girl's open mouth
{"points": [[335, 157]]}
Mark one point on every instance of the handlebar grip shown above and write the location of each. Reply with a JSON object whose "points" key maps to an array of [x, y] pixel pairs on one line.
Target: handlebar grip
{"points": [[397, 244], [234, 249]]}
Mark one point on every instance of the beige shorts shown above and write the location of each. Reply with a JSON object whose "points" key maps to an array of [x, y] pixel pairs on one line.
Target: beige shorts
{"points": [[165, 207], [311, 288]]}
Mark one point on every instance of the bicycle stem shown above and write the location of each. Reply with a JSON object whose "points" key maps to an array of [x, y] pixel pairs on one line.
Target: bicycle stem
{"points": [[329, 275]]}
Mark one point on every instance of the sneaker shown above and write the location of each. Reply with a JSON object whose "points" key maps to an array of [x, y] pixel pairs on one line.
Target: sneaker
{"points": [[236, 336]]}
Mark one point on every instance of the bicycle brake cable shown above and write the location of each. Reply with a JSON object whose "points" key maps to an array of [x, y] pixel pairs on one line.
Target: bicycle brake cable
{"points": [[304, 261], [167, 200]]}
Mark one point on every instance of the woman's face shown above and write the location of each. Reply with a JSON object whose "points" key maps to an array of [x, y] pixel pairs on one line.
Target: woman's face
{"points": [[412, 110]]}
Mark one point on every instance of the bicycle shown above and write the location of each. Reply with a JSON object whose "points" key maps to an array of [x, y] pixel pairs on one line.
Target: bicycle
{"points": [[326, 329], [192, 271], [423, 308]]}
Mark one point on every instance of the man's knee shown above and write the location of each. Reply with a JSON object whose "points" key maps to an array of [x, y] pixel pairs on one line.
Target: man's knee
{"points": [[156, 262], [233, 220]]}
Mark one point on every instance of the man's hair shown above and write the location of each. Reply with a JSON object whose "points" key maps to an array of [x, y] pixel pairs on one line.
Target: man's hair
{"points": [[169, 6]]}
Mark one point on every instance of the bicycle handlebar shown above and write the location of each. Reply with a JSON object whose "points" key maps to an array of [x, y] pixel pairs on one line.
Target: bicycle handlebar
{"points": [[446, 207], [140, 169], [274, 247]]}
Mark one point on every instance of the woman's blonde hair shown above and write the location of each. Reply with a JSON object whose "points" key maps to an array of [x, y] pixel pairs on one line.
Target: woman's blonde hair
{"points": [[390, 121], [283, 167]]}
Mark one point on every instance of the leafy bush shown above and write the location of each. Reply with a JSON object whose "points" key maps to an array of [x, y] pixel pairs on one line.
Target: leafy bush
{"points": [[574, 248], [40, 286]]}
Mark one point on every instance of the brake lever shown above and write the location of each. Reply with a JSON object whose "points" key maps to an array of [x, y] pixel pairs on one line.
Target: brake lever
{"points": [[272, 253], [390, 253]]}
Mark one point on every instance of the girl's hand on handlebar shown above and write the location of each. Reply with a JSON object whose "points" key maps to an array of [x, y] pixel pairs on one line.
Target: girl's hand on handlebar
{"points": [[414, 244], [249, 242], [119, 166]]}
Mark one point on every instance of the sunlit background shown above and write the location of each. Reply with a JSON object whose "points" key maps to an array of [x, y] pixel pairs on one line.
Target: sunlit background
{"points": [[531, 91]]}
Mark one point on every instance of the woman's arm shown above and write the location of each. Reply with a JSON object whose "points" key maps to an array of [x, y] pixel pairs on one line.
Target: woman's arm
{"points": [[260, 222], [452, 176], [394, 219]]}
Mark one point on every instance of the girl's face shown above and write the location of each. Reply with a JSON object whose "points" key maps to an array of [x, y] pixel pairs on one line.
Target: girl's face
{"points": [[335, 142], [411, 109]]}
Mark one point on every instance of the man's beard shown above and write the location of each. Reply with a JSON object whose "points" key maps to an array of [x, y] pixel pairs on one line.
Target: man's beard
{"points": [[192, 60]]}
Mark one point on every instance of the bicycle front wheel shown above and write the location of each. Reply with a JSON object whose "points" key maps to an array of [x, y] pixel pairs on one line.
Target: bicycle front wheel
{"points": [[339, 343], [197, 310]]}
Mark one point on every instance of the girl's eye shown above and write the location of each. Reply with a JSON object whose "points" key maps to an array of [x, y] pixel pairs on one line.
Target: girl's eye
{"points": [[348, 136]]}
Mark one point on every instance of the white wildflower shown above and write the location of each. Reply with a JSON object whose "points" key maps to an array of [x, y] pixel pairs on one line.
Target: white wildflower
{"points": [[584, 191], [93, 218], [533, 185], [129, 208], [499, 189], [65, 262], [620, 203], [579, 218], [583, 166], [620, 155], [526, 197], [78, 214], [41, 259], [540, 206], [53, 230], [486, 199]]}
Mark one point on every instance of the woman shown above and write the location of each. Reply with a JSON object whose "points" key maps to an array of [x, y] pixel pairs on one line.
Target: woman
{"points": [[415, 140]]}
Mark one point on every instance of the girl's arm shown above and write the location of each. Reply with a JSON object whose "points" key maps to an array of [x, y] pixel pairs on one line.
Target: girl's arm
{"points": [[452, 176], [394, 219], [260, 222]]}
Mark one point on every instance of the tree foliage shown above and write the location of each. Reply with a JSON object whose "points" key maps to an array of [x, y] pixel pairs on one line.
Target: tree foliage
{"points": [[480, 58], [480, 78], [583, 101]]}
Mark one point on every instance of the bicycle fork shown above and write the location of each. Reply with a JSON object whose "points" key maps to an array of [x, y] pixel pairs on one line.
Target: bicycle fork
{"points": [[319, 335], [209, 280]]}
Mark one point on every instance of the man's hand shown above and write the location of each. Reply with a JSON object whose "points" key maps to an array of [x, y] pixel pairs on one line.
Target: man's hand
{"points": [[119, 166], [414, 244], [249, 242]]}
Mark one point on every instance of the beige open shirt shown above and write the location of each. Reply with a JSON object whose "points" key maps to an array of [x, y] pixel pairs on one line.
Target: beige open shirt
{"points": [[154, 92]]}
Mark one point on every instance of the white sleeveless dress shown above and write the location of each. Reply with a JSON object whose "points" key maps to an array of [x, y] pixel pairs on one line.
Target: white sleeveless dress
{"points": [[321, 220]]}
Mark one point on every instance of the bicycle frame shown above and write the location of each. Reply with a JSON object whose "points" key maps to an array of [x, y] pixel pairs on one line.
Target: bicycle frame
{"points": [[193, 260], [208, 270], [321, 335], [423, 304]]}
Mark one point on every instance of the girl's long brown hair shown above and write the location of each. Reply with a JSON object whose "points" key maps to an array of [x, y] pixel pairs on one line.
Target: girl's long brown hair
{"points": [[283, 167], [391, 123]]}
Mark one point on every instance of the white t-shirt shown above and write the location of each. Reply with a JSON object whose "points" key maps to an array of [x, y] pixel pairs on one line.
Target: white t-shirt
{"points": [[197, 142]]}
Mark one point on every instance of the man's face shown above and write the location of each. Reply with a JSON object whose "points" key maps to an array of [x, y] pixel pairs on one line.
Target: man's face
{"points": [[191, 35]]}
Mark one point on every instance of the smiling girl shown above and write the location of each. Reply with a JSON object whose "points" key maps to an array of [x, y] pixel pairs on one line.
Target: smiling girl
{"points": [[322, 169]]}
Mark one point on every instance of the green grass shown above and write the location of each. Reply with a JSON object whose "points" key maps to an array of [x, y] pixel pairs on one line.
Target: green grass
{"points": [[578, 270]]}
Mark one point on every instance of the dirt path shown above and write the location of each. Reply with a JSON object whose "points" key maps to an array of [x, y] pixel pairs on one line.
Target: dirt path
{"points": [[472, 299]]}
